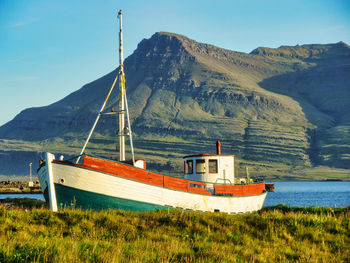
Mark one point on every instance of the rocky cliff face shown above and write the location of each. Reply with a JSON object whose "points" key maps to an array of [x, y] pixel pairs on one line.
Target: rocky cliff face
{"points": [[288, 105]]}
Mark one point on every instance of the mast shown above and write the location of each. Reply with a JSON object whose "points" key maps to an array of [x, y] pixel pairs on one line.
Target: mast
{"points": [[123, 106], [121, 132]]}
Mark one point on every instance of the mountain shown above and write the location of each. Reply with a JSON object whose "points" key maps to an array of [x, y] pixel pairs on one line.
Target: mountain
{"points": [[286, 106]]}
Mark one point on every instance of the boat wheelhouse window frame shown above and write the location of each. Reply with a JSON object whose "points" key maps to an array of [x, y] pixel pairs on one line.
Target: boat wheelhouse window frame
{"points": [[215, 162], [189, 167], [200, 163]]}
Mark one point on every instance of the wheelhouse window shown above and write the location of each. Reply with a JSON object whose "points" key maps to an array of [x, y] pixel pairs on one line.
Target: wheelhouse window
{"points": [[213, 166], [189, 167], [200, 166]]}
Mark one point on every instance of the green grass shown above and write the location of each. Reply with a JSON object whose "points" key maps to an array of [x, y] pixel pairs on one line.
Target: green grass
{"points": [[274, 234], [323, 173]]}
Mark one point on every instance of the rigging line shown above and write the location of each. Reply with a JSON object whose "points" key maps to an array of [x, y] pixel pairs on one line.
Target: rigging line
{"points": [[129, 126], [97, 118]]}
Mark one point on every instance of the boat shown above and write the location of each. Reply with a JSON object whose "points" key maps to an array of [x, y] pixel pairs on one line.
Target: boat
{"points": [[91, 182]]}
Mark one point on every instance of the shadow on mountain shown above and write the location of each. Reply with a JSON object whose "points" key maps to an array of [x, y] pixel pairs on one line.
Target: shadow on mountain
{"points": [[323, 92]]}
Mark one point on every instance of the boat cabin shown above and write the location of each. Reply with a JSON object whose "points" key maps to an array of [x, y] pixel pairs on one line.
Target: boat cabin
{"points": [[210, 168]]}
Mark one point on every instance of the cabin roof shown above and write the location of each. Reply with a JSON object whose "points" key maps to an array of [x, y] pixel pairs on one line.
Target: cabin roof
{"points": [[206, 155]]}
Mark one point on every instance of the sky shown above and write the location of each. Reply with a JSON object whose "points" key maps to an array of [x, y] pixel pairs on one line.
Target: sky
{"points": [[50, 48]]}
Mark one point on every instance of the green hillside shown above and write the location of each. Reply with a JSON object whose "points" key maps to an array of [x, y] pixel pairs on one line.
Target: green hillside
{"points": [[275, 109]]}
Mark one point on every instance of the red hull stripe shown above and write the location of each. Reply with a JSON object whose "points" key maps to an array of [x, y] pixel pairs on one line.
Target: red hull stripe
{"points": [[240, 190], [142, 175]]}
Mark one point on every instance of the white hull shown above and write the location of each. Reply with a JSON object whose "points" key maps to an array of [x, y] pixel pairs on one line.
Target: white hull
{"points": [[114, 186]]}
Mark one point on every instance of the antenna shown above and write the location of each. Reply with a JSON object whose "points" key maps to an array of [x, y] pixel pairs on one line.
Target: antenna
{"points": [[121, 132]]}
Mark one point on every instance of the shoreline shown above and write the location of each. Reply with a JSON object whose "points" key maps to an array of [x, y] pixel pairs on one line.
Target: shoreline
{"points": [[20, 187]]}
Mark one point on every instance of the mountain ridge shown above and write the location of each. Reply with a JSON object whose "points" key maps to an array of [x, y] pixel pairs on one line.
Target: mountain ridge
{"points": [[261, 103]]}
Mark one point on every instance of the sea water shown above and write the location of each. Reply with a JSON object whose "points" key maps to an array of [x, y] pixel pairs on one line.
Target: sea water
{"points": [[33, 196], [331, 194], [289, 193]]}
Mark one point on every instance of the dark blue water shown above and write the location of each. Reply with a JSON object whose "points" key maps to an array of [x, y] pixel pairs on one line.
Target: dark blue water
{"points": [[310, 194], [288, 193], [34, 196]]}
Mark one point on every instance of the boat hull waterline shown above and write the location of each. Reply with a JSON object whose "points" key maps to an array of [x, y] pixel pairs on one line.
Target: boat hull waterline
{"points": [[67, 185]]}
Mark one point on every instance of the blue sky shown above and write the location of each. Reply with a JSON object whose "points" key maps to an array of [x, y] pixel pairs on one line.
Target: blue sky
{"points": [[49, 49]]}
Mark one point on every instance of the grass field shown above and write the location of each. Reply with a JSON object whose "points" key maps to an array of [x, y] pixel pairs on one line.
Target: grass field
{"points": [[32, 234]]}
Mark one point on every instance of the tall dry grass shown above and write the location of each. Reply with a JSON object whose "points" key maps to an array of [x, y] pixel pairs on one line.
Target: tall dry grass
{"points": [[274, 234]]}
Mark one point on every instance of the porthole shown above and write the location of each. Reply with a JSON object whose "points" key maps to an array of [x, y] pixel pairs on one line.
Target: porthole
{"points": [[61, 181]]}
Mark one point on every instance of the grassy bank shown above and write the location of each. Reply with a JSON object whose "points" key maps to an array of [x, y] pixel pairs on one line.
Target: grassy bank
{"points": [[274, 234]]}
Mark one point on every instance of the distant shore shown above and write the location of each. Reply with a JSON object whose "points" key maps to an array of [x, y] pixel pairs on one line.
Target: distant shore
{"points": [[22, 187], [19, 187]]}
